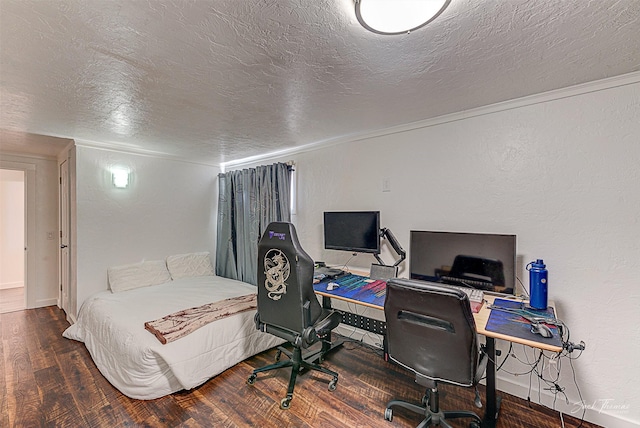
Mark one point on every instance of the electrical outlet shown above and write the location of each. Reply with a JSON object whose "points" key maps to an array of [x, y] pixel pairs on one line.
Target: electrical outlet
{"points": [[50, 235], [386, 184]]}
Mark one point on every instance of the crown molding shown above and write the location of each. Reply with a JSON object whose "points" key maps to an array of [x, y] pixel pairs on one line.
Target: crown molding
{"points": [[557, 94], [124, 148], [12, 154]]}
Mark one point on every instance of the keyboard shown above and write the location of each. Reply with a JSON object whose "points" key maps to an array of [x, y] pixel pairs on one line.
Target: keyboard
{"points": [[471, 282], [475, 295], [321, 273]]}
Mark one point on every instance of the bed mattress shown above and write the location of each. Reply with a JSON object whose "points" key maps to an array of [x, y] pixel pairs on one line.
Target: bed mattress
{"points": [[111, 325]]}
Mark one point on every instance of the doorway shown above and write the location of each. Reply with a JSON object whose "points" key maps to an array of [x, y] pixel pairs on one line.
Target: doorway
{"points": [[12, 240], [64, 215]]}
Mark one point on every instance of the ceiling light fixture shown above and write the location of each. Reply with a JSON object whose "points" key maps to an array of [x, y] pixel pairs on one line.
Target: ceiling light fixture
{"points": [[391, 17]]}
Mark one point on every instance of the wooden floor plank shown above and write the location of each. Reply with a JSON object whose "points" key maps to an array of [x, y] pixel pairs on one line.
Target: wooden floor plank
{"points": [[48, 380], [4, 397], [57, 403], [23, 399], [203, 412]]}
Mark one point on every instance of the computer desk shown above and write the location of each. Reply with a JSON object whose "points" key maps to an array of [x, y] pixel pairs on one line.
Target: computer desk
{"points": [[481, 317]]}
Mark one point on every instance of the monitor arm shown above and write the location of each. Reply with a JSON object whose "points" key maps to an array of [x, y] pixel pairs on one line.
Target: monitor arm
{"points": [[386, 233]]}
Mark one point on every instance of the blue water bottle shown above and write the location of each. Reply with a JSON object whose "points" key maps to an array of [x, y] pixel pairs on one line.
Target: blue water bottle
{"points": [[538, 284]]}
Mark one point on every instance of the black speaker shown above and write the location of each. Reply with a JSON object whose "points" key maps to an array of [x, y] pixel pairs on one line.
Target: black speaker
{"points": [[383, 272]]}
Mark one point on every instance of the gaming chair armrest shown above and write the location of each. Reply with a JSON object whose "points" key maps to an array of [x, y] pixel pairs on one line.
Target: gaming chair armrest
{"points": [[309, 335], [290, 336], [256, 320], [328, 321]]}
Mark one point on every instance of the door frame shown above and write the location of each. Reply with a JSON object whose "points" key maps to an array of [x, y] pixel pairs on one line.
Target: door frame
{"points": [[29, 227], [64, 216]]}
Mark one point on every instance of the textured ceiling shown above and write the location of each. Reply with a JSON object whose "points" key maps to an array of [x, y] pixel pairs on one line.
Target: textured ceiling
{"points": [[222, 80]]}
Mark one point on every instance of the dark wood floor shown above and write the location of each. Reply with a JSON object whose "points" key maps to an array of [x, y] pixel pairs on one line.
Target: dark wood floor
{"points": [[47, 380]]}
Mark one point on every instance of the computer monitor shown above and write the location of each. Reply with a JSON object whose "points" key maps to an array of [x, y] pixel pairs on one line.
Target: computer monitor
{"points": [[356, 231], [477, 260]]}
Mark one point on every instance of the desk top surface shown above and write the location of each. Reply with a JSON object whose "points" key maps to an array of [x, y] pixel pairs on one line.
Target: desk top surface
{"points": [[363, 291], [355, 289]]}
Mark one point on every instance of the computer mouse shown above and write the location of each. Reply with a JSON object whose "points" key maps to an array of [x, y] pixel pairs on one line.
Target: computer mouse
{"points": [[541, 329], [332, 286]]}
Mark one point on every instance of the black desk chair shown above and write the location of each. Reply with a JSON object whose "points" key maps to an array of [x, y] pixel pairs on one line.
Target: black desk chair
{"points": [[431, 331], [288, 307]]}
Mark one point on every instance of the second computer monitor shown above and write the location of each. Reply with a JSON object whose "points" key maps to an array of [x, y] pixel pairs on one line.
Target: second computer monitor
{"points": [[478, 260]]}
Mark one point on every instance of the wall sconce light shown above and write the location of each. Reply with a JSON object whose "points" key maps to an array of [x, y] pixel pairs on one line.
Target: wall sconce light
{"points": [[120, 177], [391, 17]]}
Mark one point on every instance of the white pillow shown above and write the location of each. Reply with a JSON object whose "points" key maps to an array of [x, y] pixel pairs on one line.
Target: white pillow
{"points": [[191, 264], [136, 275]]}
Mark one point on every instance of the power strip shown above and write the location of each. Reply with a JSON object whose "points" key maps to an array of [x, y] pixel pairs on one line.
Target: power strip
{"points": [[364, 323]]}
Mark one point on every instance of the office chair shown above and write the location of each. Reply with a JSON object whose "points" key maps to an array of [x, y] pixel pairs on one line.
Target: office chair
{"points": [[431, 332], [288, 307]]}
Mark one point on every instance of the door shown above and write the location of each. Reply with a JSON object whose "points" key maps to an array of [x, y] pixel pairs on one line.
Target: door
{"points": [[64, 237]]}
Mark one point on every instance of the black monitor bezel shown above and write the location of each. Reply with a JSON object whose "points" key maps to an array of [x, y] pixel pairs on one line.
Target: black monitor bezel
{"points": [[355, 249]]}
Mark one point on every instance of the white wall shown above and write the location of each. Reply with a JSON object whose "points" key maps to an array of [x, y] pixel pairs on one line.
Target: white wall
{"points": [[561, 172], [42, 216], [169, 208], [12, 223]]}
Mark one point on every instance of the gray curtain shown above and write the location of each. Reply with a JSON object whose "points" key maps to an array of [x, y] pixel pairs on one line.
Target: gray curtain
{"points": [[248, 201]]}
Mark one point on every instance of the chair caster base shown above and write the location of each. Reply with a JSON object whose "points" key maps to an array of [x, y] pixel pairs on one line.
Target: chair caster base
{"points": [[252, 379], [388, 414], [285, 403], [333, 384]]}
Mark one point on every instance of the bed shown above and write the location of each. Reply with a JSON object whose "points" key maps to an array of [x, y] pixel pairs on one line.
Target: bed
{"points": [[112, 327]]}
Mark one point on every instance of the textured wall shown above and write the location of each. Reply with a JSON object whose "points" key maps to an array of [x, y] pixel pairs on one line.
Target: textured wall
{"points": [[168, 208], [560, 174]]}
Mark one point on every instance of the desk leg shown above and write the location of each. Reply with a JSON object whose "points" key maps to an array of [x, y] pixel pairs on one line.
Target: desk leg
{"points": [[326, 302], [493, 401]]}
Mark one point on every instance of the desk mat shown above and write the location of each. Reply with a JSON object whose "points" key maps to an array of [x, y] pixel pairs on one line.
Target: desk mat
{"points": [[356, 287], [512, 324], [364, 289]]}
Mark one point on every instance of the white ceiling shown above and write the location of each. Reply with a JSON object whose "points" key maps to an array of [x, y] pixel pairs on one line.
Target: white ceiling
{"points": [[222, 80]]}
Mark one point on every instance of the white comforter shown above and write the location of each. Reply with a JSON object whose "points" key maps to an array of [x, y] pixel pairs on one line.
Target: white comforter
{"points": [[112, 327]]}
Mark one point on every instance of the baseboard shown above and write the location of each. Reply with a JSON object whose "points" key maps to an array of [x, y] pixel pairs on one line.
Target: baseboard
{"points": [[46, 302], [71, 319], [8, 285], [359, 335], [604, 412]]}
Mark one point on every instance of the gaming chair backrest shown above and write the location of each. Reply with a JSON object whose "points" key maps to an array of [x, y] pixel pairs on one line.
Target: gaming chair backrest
{"points": [[285, 280]]}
